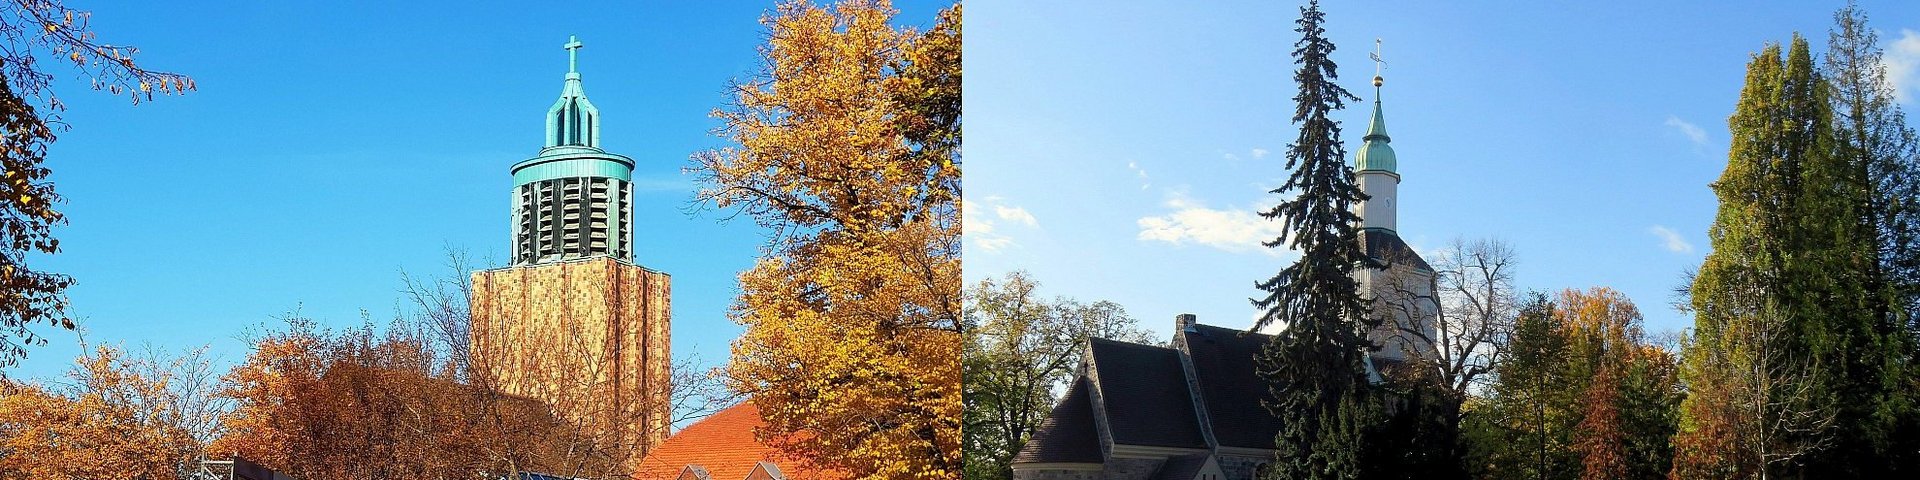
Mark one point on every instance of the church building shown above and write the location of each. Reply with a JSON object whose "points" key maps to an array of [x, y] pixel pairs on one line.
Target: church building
{"points": [[1194, 410], [573, 321]]}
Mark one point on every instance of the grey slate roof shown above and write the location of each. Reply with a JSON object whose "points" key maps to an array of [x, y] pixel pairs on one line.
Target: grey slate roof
{"points": [[1145, 395], [1225, 359], [1068, 434], [1389, 248], [1183, 467]]}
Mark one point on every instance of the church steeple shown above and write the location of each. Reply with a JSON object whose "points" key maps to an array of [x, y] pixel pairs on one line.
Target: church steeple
{"points": [[572, 200], [1375, 166], [1377, 152], [573, 120]]}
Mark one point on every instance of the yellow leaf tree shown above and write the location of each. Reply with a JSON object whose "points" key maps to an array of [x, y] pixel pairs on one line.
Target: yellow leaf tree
{"points": [[114, 424], [847, 147]]}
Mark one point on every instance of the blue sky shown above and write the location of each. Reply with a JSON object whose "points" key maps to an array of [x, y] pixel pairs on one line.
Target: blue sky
{"points": [[1120, 149], [332, 145]]}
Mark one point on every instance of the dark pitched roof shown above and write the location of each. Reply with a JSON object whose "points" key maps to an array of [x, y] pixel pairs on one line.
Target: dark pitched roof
{"points": [[1388, 247], [1183, 467], [1145, 395], [1235, 395], [1067, 435]]}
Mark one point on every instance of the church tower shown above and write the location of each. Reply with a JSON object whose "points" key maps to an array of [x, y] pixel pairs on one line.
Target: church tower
{"points": [[572, 321], [1374, 167], [572, 200], [1403, 291]]}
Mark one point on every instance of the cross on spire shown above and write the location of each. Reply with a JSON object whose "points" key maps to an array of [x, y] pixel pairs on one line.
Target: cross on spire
{"points": [[573, 52], [1378, 64]]}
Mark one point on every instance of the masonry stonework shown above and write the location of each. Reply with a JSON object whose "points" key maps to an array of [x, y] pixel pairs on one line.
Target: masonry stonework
{"points": [[589, 337]]}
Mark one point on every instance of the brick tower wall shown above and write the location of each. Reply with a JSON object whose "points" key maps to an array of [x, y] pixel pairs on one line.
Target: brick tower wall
{"points": [[588, 337]]}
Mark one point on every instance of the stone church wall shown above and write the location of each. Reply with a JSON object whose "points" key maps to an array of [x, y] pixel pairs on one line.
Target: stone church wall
{"points": [[1131, 468]]}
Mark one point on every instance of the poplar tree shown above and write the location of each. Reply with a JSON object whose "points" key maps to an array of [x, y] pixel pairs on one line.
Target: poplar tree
{"points": [[1314, 366]]}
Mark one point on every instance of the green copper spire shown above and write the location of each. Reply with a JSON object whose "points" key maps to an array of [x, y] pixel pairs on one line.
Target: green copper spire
{"points": [[573, 121], [572, 200], [1376, 153]]}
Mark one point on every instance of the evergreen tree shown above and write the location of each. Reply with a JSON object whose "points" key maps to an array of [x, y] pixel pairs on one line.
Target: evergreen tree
{"points": [[1877, 149], [1314, 365]]}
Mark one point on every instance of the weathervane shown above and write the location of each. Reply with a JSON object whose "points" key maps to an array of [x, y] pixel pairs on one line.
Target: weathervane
{"points": [[1378, 64]]}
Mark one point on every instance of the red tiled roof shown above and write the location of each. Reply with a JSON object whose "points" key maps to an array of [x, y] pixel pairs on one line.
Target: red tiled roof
{"points": [[723, 443]]}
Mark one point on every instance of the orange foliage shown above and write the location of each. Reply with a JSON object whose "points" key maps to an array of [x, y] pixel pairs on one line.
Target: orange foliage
{"points": [[353, 406], [106, 429], [1626, 406]]}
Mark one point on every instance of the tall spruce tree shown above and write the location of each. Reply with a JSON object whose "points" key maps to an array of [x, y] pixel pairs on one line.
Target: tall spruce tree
{"points": [[1877, 147], [1314, 365]]}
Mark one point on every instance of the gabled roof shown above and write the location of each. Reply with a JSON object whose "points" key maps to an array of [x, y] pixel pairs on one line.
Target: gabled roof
{"points": [[1225, 361], [694, 472], [766, 471], [1184, 467], [1068, 434], [724, 446], [1388, 247], [1143, 389]]}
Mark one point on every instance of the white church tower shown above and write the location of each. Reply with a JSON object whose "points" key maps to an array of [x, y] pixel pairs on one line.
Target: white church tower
{"points": [[1403, 292], [1374, 167]]}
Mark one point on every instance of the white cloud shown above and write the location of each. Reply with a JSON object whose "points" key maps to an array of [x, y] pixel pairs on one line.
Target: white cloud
{"points": [[1672, 239], [1902, 58], [1142, 173], [1256, 154], [978, 227], [1693, 132], [1015, 214], [1192, 222]]}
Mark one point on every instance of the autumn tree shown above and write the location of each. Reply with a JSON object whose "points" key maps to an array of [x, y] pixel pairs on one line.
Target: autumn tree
{"points": [[1628, 387], [358, 403], [1583, 395], [847, 148], [1521, 428], [404, 400], [1794, 334], [1314, 366], [32, 32], [118, 419], [1020, 349]]}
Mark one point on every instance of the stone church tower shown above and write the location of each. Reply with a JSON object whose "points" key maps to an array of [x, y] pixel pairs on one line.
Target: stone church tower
{"points": [[1403, 292], [573, 321]]}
